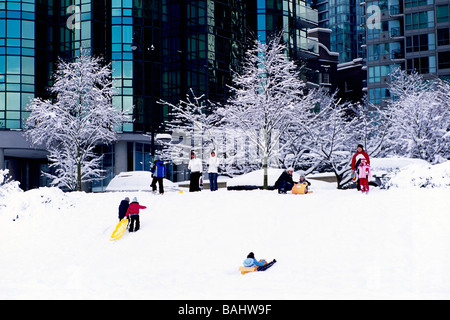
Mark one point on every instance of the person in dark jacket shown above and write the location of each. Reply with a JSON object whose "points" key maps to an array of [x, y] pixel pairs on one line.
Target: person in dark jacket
{"points": [[158, 174], [285, 181], [123, 207]]}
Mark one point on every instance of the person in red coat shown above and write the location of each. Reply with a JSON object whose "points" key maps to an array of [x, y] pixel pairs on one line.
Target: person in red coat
{"points": [[356, 160], [360, 154], [133, 212]]}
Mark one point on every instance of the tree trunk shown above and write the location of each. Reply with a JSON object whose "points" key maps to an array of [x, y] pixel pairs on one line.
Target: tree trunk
{"points": [[266, 177]]}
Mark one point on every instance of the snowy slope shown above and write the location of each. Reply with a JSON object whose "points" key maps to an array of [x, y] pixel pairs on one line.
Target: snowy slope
{"points": [[330, 244]]}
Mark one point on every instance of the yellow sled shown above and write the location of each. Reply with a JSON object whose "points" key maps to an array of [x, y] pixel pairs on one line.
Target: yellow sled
{"points": [[120, 230], [245, 270], [300, 188]]}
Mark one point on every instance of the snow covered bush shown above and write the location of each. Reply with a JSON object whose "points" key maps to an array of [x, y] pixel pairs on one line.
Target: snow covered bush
{"points": [[80, 117], [421, 175], [7, 185]]}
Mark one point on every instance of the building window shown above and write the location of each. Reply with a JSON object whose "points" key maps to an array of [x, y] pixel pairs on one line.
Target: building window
{"points": [[422, 65], [415, 3], [444, 60], [378, 94], [443, 36], [377, 72], [422, 42], [442, 13], [419, 20]]}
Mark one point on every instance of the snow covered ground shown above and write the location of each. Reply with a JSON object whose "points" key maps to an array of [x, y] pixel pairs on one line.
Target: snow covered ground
{"points": [[331, 244]]}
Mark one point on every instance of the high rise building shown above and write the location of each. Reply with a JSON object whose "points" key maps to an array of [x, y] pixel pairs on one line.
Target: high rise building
{"points": [[158, 49], [344, 18], [408, 34]]}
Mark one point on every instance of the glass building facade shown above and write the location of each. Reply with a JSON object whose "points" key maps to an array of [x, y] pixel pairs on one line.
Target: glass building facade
{"points": [[411, 35], [17, 60], [158, 50], [346, 20]]}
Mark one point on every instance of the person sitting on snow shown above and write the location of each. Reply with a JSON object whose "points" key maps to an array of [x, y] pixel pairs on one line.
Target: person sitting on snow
{"points": [[261, 264], [303, 179], [285, 181]]}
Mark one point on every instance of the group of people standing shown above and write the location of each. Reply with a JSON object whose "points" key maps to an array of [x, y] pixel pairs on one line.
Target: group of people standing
{"points": [[196, 167]]}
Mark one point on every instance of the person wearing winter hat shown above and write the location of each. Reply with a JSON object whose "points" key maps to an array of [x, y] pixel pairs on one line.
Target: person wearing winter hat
{"points": [[356, 160], [158, 173], [285, 181], [261, 264], [303, 179], [133, 213], [123, 207]]}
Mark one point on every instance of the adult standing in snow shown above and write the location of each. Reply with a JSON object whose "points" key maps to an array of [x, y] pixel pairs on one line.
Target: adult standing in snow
{"points": [[123, 207], [285, 181], [213, 171], [158, 174], [356, 160], [196, 168], [133, 213]]}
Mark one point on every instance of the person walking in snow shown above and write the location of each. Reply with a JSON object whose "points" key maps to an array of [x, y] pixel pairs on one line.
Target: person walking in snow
{"points": [[133, 213], [363, 175], [261, 264], [196, 168], [123, 207], [213, 171], [285, 181], [158, 174], [356, 160]]}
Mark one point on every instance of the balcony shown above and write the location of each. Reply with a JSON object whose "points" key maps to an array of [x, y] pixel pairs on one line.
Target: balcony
{"points": [[308, 48], [396, 32], [306, 17], [397, 55], [395, 11]]}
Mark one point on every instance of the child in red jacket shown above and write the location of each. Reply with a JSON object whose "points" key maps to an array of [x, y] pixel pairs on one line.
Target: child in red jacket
{"points": [[133, 212]]}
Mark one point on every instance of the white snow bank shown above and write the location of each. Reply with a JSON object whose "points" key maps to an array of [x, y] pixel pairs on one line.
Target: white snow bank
{"points": [[7, 186], [381, 166], [36, 203], [331, 244], [422, 175], [256, 178], [136, 181]]}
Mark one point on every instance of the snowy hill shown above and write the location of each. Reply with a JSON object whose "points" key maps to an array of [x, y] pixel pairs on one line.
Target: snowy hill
{"points": [[331, 244]]}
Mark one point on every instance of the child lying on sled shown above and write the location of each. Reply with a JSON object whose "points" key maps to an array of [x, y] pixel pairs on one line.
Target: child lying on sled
{"points": [[261, 264]]}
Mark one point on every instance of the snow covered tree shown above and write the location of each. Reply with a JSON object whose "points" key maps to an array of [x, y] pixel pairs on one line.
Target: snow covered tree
{"points": [[332, 139], [419, 116], [79, 118], [192, 124], [266, 96]]}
